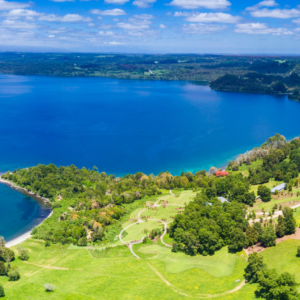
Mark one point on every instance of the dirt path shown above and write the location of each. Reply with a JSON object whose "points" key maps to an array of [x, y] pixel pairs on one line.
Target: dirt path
{"points": [[225, 293], [160, 276], [51, 267]]}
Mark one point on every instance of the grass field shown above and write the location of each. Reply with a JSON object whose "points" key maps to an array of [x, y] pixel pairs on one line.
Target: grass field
{"points": [[79, 274], [114, 273]]}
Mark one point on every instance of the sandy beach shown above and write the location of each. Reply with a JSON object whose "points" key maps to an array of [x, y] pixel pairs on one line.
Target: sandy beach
{"points": [[24, 236]]}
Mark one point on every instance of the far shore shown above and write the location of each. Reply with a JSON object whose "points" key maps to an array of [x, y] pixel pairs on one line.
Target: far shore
{"points": [[24, 236]]}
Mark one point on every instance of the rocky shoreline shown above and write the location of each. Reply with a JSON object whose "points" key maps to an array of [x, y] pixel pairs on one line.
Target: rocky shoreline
{"points": [[35, 196]]}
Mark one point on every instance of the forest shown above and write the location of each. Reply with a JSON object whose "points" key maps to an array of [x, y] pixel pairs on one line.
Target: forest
{"points": [[88, 202], [250, 74]]}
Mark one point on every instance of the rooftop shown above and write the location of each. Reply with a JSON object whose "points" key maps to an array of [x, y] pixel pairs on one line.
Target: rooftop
{"points": [[279, 187]]}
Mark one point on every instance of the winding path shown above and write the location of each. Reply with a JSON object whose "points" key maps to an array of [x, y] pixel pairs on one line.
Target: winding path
{"points": [[130, 244]]}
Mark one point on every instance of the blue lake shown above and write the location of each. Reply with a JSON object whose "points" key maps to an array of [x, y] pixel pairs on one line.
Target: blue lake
{"points": [[124, 126]]}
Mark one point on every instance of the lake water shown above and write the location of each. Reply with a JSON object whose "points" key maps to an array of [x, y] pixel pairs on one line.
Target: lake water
{"points": [[124, 126], [18, 213]]}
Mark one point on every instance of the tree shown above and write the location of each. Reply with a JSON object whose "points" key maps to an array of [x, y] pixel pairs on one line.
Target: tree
{"points": [[82, 241], [2, 294], [289, 221], [264, 193], [23, 254], [6, 252], [267, 236], [2, 268], [280, 227], [238, 240], [274, 286], [251, 235], [254, 267], [13, 274]]}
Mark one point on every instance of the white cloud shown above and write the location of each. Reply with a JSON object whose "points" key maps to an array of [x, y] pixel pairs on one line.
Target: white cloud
{"points": [[266, 3], [276, 13], [130, 26], [143, 3], [106, 33], [143, 16], [70, 18], [51, 36], [209, 17], [62, 0], [121, 2], [111, 12], [17, 24], [162, 26], [194, 4], [297, 21], [33, 15], [22, 13], [260, 28], [5, 5], [115, 43], [202, 28]]}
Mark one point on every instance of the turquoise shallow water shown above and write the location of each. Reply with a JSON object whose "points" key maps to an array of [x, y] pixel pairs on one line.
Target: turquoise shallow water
{"points": [[126, 126]]}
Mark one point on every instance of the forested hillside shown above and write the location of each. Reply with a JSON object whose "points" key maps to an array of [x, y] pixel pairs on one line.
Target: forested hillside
{"points": [[250, 74]]}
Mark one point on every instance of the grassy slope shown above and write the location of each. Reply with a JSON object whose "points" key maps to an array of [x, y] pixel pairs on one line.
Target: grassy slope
{"points": [[116, 274]]}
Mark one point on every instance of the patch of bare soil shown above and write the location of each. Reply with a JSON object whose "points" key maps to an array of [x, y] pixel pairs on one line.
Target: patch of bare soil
{"points": [[259, 248]]}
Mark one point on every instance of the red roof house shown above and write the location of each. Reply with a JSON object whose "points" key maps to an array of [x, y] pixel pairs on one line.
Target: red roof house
{"points": [[221, 173]]}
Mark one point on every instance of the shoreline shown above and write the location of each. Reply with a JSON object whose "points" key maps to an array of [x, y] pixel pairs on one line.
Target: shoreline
{"points": [[24, 236], [33, 195], [41, 200]]}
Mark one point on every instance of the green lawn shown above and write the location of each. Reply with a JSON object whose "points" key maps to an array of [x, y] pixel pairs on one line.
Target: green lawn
{"points": [[85, 274], [161, 213], [136, 231]]}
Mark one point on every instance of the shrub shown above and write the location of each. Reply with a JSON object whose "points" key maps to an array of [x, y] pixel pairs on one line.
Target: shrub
{"points": [[82, 241], [13, 274], [2, 294], [23, 254], [49, 287]]}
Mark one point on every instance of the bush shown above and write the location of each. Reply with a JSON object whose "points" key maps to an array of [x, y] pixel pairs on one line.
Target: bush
{"points": [[82, 241], [13, 274], [23, 254], [2, 294], [49, 287]]}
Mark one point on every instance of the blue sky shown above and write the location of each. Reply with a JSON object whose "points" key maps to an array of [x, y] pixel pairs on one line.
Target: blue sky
{"points": [[151, 26]]}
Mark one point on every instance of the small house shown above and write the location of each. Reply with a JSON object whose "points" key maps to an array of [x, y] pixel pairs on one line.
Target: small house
{"points": [[222, 199], [279, 188], [221, 173]]}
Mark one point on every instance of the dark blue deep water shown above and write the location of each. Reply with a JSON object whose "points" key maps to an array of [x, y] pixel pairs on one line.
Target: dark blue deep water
{"points": [[125, 126]]}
